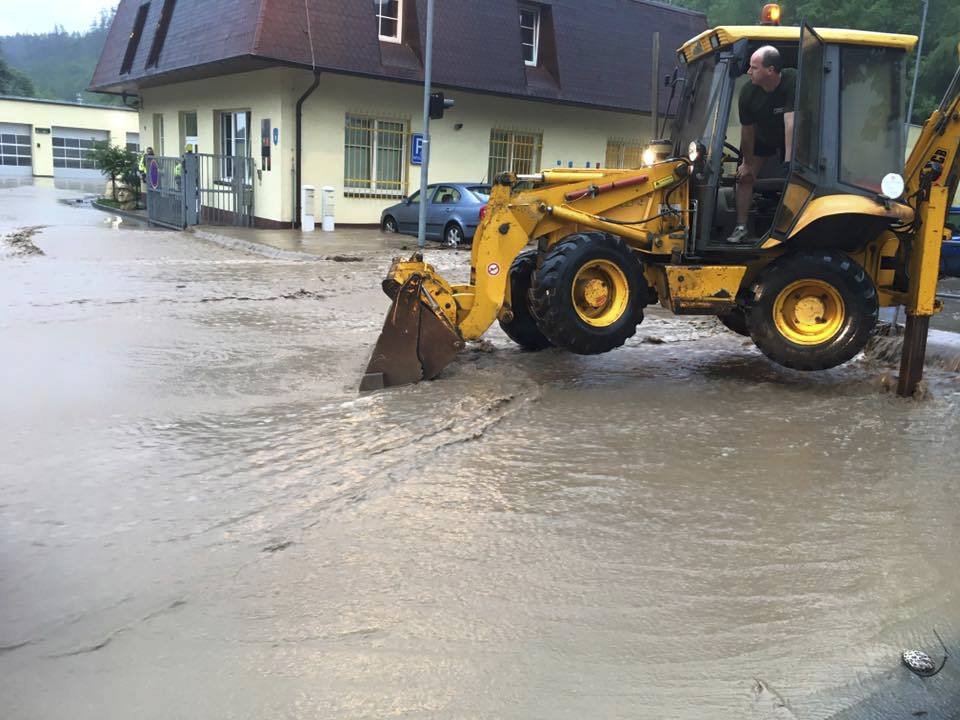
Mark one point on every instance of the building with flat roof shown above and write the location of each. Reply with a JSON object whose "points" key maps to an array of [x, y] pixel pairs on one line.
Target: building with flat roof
{"points": [[329, 92], [51, 138]]}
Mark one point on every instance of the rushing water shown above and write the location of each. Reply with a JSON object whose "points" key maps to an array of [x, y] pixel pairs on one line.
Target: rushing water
{"points": [[200, 518]]}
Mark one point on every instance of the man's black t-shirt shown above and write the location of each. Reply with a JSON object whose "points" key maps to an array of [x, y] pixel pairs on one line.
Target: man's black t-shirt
{"points": [[765, 110]]}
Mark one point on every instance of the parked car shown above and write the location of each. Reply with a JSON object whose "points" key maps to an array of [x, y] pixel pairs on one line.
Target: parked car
{"points": [[453, 212]]}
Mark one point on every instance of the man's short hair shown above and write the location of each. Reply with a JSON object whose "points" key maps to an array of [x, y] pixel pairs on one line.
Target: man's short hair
{"points": [[770, 57]]}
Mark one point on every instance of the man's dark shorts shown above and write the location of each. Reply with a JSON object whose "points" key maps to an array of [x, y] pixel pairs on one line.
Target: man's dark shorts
{"points": [[762, 150]]}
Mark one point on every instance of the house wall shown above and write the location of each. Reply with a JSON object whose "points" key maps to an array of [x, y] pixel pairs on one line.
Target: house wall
{"points": [[570, 134], [47, 115]]}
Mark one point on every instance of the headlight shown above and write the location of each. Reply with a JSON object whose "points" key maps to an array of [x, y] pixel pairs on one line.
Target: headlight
{"points": [[649, 157], [891, 186], [695, 151]]}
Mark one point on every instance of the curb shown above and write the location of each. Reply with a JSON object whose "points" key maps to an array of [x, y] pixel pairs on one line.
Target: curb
{"points": [[129, 214], [255, 248]]}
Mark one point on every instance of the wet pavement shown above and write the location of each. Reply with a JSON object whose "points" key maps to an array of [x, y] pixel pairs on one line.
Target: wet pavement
{"points": [[200, 518]]}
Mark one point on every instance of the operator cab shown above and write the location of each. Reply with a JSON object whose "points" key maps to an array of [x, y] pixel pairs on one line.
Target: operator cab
{"points": [[848, 130]]}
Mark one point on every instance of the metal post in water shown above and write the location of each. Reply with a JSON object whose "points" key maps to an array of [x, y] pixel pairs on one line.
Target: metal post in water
{"points": [[425, 165], [914, 352], [655, 88]]}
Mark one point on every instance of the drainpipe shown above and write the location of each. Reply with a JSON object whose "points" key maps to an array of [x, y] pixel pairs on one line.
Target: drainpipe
{"points": [[298, 179]]}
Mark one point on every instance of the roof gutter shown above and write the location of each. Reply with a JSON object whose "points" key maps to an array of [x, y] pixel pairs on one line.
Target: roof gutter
{"points": [[299, 171]]}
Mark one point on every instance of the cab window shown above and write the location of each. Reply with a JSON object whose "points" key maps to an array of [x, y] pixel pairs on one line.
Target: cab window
{"points": [[871, 115]]}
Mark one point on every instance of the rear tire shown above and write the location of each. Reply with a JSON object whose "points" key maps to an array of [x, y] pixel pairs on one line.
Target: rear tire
{"points": [[735, 320], [813, 310], [523, 328], [589, 293]]}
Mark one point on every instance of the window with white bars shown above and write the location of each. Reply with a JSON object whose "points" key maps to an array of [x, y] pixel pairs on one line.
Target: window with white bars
{"points": [[15, 150], [234, 142], [530, 33], [516, 151], [373, 153], [624, 153], [389, 19]]}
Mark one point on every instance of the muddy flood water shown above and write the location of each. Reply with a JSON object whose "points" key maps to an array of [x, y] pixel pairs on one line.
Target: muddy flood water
{"points": [[199, 517]]}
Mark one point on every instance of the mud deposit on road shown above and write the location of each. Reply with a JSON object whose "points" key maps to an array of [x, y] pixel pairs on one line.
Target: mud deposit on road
{"points": [[20, 242], [199, 516]]}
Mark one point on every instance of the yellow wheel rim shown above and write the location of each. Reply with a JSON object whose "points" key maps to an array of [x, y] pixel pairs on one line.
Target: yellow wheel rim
{"points": [[600, 293], [808, 312]]}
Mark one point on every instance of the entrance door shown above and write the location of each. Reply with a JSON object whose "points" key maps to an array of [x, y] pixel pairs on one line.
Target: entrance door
{"points": [[806, 166], [15, 153], [72, 153]]}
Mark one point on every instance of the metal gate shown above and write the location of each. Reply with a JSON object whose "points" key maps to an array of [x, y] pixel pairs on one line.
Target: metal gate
{"points": [[170, 182], [225, 190], [200, 190]]}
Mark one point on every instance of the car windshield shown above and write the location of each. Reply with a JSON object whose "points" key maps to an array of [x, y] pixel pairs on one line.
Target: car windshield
{"points": [[696, 118], [481, 191]]}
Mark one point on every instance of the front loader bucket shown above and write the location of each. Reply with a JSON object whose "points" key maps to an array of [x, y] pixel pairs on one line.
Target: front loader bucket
{"points": [[416, 343]]}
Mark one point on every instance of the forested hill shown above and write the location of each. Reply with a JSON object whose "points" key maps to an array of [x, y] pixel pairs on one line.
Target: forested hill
{"points": [[897, 16], [58, 64]]}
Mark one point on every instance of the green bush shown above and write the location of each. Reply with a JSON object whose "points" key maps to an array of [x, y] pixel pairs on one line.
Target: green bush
{"points": [[118, 163]]}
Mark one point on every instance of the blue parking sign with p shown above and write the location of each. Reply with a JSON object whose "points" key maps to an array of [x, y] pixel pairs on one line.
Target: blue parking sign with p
{"points": [[416, 149]]}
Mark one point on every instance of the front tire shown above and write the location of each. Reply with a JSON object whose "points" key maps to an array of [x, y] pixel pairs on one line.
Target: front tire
{"points": [[389, 224], [589, 293], [523, 328], [813, 310]]}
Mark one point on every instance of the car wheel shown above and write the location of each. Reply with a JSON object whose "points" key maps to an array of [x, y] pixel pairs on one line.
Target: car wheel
{"points": [[453, 235], [389, 224]]}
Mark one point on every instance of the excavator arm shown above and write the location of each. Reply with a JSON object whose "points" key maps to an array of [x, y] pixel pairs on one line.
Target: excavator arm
{"points": [[431, 318], [931, 175]]}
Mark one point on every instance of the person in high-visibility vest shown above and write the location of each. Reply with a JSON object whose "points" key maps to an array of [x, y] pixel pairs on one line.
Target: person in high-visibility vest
{"points": [[145, 158]]}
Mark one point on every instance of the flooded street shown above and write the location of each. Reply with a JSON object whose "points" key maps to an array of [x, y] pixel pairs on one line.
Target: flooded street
{"points": [[200, 518]]}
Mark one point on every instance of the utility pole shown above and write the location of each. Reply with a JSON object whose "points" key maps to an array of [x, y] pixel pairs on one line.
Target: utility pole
{"points": [[425, 164]]}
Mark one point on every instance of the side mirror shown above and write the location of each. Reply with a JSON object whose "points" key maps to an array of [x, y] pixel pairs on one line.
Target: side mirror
{"points": [[407, 201]]}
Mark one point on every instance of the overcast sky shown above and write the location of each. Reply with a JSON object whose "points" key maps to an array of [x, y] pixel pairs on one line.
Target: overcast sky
{"points": [[37, 16]]}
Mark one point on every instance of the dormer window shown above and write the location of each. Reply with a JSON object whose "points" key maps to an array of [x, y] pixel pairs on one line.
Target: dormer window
{"points": [[529, 33], [389, 19]]}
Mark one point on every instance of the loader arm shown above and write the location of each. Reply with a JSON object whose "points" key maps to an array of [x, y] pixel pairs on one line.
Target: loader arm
{"points": [[931, 176], [625, 202]]}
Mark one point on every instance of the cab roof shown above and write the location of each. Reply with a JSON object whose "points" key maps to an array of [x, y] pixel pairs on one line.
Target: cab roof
{"points": [[725, 35]]}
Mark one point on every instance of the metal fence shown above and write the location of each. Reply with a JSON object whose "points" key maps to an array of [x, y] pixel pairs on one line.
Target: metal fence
{"points": [[200, 190]]}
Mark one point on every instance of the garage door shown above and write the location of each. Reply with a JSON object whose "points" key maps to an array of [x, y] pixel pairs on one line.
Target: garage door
{"points": [[15, 150], [72, 148]]}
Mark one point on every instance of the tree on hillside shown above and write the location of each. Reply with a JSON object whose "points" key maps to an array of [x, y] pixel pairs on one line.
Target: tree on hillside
{"points": [[61, 64], [13, 82]]}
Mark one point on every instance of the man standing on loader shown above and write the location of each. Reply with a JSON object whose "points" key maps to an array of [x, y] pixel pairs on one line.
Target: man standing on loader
{"points": [[766, 117]]}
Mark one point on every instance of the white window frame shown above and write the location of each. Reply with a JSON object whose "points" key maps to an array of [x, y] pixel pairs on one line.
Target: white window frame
{"points": [[535, 11], [158, 134], [373, 189], [381, 16], [228, 145]]}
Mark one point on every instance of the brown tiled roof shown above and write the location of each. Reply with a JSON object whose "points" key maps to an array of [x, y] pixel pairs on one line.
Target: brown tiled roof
{"points": [[592, 52]]}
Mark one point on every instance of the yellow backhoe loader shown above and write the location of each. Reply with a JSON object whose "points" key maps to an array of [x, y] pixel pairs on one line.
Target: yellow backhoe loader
{"points": [[848, 230]]}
